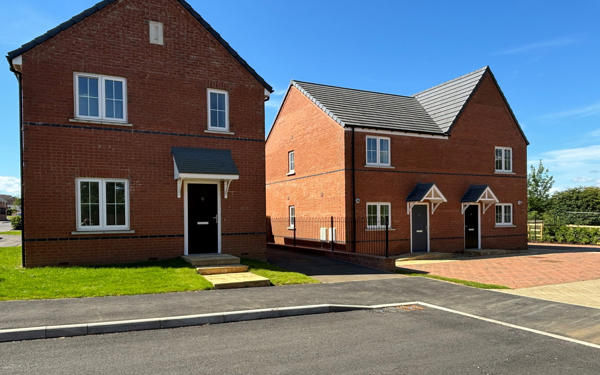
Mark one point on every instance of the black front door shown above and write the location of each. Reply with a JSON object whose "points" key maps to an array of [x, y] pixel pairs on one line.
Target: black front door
{"points": [[203, 227], [472, 227], [420, 238]]}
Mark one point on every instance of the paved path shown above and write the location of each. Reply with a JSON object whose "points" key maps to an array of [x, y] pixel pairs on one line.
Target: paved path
{"points": [[572, 321], [583, 293], [6, 240], [520, 271], [324, 269]]}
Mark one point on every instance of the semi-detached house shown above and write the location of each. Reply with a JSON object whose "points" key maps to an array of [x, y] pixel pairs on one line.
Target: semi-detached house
{"points": [[142, 138], [444, 169]]}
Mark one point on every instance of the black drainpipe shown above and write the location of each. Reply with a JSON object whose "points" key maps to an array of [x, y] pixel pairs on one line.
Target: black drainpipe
{"points": [[353, 197], [19, 76]]}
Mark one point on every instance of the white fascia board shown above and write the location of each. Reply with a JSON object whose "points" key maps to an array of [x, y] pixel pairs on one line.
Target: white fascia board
{"points": [[203, 176]]}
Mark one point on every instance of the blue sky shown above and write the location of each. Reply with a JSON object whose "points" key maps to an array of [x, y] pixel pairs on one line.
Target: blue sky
{"points": [[545, 56]]}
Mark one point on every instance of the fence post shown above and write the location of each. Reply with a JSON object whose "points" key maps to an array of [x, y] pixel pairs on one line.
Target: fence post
{"points": [[387, 238], [331, 234], [295, 223], [535, 227]]}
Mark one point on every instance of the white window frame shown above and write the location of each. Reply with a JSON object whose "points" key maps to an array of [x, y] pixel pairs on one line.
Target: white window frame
{"points": [[159, 28], [101, 97], [102, 205], [504, 223], [216, 128], [379, 224], [378, 163], [291, 162], [292, 217], [503, 169]]}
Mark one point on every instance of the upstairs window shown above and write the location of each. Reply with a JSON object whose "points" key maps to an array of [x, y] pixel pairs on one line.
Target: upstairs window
{"points": [[378, 151], [218, 110], [503, 159], [292, 217], [102, 204], [504, 214], [291, 163], [156, 33], [100, 97]]}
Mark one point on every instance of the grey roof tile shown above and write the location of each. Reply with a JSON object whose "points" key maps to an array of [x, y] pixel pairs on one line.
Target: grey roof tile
{"points": [[473, 193], [204, 160], [419, 192]]}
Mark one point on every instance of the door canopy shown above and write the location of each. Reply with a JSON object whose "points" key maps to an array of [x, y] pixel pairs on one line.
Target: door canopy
{"points": [[425, 193], [203, 164], [478, 194]]}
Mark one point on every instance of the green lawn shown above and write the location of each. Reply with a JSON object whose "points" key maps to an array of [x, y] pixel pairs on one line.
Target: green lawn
{"points": [[62, 282], [473, 284], [278, 276], [11, 233]]}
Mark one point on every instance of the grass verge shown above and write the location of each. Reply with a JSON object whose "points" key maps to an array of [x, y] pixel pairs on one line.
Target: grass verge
{"points": [[473, 284], [65, 282], [277, 275], [11, 233]]}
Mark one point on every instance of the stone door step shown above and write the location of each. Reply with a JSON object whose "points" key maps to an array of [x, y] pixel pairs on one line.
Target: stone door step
{"points": [[230, 268], [206, 260], [237, 280]]}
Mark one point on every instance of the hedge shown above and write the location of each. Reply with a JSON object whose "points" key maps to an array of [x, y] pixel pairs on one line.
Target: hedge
{"points": [[574, 235]]}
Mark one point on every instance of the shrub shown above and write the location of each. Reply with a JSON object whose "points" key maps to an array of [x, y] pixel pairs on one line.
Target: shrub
{"points": [[575, 235], [17, 222]]}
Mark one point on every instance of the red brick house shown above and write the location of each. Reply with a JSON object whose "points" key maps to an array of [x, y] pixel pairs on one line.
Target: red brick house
{"points": [[142, 138], [3, 208], [445, 168]]}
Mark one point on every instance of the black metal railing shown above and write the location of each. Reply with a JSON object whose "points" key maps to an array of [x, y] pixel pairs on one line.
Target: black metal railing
{"points": [[331, 233]]}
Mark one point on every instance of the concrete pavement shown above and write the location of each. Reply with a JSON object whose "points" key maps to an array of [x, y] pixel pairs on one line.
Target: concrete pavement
{"points": [[567, 320], [388, 341], [583, 293]]}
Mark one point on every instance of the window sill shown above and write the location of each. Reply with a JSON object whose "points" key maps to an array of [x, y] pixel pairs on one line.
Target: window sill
{"points": [[505, 226], [84, 232], [379, 229], [214, 131], [291, 173], [99, 122], [378, 166], [291, 228], [504, 172]]}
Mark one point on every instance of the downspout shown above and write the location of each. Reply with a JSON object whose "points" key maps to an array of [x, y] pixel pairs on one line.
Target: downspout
{"points": [[353, 196], [19, 76]]}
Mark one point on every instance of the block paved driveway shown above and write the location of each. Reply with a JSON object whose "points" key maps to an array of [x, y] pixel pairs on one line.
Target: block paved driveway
{"points": [[520, 271]]}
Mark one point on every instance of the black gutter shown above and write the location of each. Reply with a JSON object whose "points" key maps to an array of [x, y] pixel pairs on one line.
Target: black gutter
{"points": [[19, 76], [353, 196]]}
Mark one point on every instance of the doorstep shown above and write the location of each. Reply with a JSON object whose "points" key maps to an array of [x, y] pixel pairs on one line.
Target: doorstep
{"points": [[237, 280]]}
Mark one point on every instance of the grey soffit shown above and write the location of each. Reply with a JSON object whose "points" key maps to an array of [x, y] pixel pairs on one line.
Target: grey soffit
{"points": [[102, 4], [204, 161], [359, 108], [473, 193], [444, 102], [419, 192]]}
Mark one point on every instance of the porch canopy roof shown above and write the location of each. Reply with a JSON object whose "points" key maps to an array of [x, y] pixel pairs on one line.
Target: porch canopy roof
{"points": [[203, 164], [425, 193], [478, 194]]}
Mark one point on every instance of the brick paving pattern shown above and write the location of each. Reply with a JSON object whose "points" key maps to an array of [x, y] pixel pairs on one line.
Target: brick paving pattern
{"points": [[520, 271]]}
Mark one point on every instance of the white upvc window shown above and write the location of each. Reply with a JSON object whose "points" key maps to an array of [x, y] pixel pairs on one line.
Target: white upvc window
{"points": [[100, 97], [504, 214], [102, 204], [292, 217], [503, 159], [291, 163], [378, 151], [218, 110], [378, 215]]}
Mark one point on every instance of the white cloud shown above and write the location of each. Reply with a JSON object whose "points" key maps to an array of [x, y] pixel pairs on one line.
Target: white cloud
{"points": [[572, 167], [594, 133], [10, 185], [557, 42], [580, 112], [570, 155], [276, 98]]}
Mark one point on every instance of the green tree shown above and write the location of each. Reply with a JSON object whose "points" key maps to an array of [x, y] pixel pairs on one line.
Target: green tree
{"points": [[577, 205], [539, 184]]}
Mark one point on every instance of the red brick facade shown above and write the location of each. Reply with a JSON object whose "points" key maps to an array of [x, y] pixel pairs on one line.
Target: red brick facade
{"points": [[167, 107], [323, 176]]}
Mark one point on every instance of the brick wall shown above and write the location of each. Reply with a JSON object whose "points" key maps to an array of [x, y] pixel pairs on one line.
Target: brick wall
{"points": [[167, 106]]}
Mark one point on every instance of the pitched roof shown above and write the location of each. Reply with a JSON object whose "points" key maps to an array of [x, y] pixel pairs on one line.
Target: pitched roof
{"points": [[204, 161], [351, 107], [444, 102], [102, 4], [419, 192], [473, 193]]}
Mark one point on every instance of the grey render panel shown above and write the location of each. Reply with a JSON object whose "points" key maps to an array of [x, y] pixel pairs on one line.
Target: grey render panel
{"points": [[204, 160]]}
